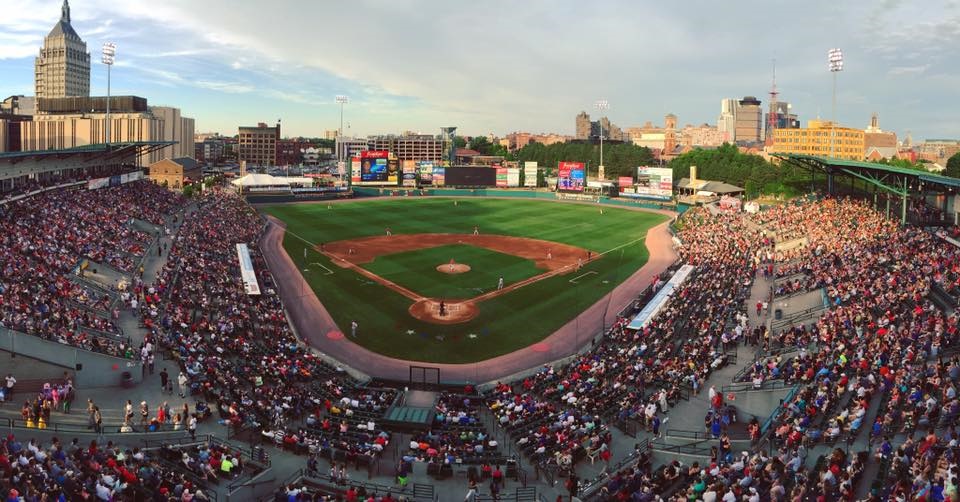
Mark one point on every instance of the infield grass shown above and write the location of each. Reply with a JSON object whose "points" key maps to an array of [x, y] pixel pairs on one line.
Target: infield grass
{"points": [[506, 323], [417, 270]]}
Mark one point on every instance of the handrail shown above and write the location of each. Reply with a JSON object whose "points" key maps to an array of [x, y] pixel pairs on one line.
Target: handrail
{"points": [[767, 385], [700, 435], [79, 428], [682, 449]]}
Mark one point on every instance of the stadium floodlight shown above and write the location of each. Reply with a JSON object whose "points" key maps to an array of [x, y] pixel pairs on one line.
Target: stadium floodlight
{"points": [[835, 63], [601, 106], [109, 55], [341, 100]]}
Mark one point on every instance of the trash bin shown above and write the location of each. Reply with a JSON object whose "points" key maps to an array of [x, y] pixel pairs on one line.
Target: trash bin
{"points": [[126, 380], [778, 314]]}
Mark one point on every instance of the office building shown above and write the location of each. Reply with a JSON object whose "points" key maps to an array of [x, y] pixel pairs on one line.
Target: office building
{"points": [[726, 123], [19, 105], [258, 145], [175, 128], [821, 138], [784, 119], [748, 121], [330, 134], [583, 126], [63, 67], [704, 135], [71, 122]]}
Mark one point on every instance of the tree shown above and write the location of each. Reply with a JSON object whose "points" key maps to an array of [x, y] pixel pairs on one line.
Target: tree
{"points": [[481, 144], [953, 166], [728, 165], [459, 142]]}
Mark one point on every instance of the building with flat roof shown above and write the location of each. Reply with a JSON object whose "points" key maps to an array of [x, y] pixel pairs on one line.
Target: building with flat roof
{"points": [[748, 121], [821, 138], [418, 147], [258, 145], [63, 66]]}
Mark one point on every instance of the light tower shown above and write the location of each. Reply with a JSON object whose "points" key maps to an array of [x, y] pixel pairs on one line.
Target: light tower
{"points": [[773, 117], [601, 106], [108, 57], [835, 62]]}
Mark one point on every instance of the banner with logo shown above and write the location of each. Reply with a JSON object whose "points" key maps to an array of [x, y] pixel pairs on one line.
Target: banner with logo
{"points": [[409, 173], [439, 175]]}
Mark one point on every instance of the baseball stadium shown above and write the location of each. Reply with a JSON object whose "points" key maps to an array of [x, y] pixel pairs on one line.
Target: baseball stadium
{"points": [[520, 343], [418, 318]]}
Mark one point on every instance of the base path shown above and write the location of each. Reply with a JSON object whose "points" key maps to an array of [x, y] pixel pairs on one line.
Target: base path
{"points": [[313, 322]]}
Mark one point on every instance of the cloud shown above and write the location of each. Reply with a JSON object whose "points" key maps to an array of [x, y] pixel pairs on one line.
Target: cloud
{"points": [[909, 70], [500, 65]]}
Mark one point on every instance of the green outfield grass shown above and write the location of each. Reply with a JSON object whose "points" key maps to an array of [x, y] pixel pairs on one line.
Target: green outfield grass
{"points": [[417, 270], [505, 323]]}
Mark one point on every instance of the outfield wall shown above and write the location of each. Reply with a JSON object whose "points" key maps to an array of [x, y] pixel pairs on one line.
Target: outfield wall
{"points": [[515, 193]]}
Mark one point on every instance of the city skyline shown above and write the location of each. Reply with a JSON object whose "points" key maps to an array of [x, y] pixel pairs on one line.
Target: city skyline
{"points": [[421, 65]]}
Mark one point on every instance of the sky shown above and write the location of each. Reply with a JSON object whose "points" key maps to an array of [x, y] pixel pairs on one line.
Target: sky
{"points": [[499, 65]]}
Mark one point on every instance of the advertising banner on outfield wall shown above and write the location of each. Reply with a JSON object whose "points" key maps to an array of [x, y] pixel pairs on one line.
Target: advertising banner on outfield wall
{"points": [[439, 175], [624, 182], [655, 181], [502, 177], [98, 183], [530, 174], [409, 168], [513, 176], [393, 170], [425, 172], [355, 170], [571, 177]]}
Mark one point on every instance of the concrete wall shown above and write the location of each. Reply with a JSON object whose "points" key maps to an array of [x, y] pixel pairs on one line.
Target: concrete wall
{"points": [[757, 402], [98, 370]]}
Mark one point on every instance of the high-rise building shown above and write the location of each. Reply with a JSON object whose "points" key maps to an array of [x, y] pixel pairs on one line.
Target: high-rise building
{"points": [[330, 134], [258, 145], [784, 120], [748, 121], [726, 123], [704, 135], [63, 67], [821, 138], [584, 126]]}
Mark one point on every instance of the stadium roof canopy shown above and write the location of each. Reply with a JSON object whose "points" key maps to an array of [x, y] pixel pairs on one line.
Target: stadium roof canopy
{"points": [[100, 150], [900, 181]]}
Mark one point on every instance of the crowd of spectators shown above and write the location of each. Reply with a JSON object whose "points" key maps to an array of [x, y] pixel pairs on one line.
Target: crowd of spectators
{"points": [[237, 349], [47, 237], [57, 471]]}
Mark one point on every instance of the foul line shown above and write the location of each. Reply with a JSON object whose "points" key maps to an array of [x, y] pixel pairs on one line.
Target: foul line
{"points": [[312, 246], [328, 271], [575, 279]]}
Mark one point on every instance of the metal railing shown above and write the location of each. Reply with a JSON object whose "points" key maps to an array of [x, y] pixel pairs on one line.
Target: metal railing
{"points": [[767, 385]]}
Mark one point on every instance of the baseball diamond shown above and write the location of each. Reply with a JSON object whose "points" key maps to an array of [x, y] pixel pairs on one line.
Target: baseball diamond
{"points": [[534, 245]]}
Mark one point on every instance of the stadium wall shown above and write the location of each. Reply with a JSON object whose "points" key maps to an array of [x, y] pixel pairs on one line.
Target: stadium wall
{"points": [[91, 368]]}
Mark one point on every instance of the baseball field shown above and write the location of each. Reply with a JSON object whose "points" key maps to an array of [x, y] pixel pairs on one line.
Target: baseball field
{"points": [[460, 280]]}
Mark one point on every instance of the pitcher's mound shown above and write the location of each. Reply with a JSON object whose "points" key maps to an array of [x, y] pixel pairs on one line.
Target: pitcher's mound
{"points": [[454, 313], [456, 268]]}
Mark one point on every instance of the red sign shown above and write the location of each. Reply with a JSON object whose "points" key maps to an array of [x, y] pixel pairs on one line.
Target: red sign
{"points": [[570, 177], [374, 154], [624, 182], [501, 176]]}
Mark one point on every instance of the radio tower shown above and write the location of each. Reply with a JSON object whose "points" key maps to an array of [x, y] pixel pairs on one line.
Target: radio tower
{"points": [[772, 116]]}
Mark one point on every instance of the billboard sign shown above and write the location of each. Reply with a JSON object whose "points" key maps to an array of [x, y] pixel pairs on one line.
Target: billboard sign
{"points": [[571, 177], [530, 174], [655, 181], [355, 170], [501, 177], [471, 176], [409, 173], [373, 166], [393, 170], [513, 176], [624, 182], [425, 172], [439, 175]]}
